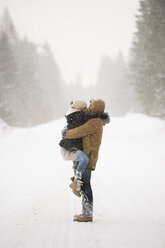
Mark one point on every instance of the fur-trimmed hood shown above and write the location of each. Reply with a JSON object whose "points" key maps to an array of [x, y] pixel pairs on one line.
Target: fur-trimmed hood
{"points": [[97, 105]]}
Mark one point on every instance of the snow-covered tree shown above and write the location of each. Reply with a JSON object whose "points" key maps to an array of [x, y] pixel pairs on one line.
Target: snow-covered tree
{"points": [[29, 89], [50, 81], [8, 27], [147, 65], [112, 85], [8, 80]]}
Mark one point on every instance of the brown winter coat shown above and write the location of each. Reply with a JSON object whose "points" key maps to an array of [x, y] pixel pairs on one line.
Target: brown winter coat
{"points": [[91, 132]]}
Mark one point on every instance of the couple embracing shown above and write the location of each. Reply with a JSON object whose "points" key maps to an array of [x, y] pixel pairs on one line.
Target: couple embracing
{"points": [[80, 143]]}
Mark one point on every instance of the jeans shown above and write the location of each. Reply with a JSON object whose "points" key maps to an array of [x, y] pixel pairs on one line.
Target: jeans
{"points": [[87, 194], [82, 160]]}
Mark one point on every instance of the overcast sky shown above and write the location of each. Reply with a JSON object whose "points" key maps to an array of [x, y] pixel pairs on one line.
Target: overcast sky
{"points": [[78, 31]]}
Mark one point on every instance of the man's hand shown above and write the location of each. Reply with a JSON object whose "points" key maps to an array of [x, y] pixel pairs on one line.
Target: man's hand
{"points": [[63, 132], [106, 120]]}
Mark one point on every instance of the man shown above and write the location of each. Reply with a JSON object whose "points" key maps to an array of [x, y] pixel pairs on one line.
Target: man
{"points": [[91, 133]]}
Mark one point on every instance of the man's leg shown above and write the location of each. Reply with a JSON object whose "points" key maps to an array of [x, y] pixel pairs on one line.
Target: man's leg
{"points": [[87, 199], [87, 194]]}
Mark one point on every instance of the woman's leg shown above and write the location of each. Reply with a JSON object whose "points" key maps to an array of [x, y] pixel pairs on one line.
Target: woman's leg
{"points": [[83, 160]]}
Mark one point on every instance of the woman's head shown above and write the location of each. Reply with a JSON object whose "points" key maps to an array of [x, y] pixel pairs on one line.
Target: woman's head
{"points": [[78, 105]]}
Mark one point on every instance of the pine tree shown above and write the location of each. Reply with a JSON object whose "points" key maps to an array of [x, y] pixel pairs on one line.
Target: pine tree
{"points": [[51, 82], [8, 27], [122, 89], [112, 85], [105, 81], [29, 90], [159, 107], [8, 80], [147, 63]]}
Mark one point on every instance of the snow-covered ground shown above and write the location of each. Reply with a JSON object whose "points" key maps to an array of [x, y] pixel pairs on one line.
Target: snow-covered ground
{"points": [[37, 206]]}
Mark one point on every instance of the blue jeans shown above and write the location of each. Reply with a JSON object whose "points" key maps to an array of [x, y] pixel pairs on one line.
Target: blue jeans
{"points": [[87, 194], [82, 160]]}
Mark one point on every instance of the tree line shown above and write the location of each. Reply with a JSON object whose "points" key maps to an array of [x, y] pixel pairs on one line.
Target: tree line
{"points": [[30, 79], [138, 85], [33, 91]]}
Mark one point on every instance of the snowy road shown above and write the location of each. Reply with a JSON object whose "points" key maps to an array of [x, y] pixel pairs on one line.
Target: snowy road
{"points": [[37, 206]]}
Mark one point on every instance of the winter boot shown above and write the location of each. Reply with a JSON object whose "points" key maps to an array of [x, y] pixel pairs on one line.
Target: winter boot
{"points": [[77, 215], [76, 187], [75, 164], [72, 179], [81, 218]]}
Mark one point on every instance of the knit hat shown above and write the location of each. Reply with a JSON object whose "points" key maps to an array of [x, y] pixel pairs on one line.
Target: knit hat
{"points": [[78, 105]]}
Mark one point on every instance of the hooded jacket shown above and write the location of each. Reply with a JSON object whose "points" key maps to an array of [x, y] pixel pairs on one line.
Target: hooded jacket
{"points": [[91, 133], [74, 120]]}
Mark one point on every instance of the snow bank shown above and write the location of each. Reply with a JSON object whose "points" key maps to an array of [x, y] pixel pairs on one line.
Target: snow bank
{"points": [[136, 125], [4, 128]]}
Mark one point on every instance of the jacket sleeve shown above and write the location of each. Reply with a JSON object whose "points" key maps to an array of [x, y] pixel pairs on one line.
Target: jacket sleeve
{"points": [[88, 128]]}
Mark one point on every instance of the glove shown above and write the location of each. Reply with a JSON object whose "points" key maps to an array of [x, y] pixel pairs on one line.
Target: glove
{"points": [[107, 119], [63, 132]]}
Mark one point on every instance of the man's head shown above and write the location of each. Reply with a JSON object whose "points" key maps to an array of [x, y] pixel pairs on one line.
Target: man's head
{"points": [[96, 105]]}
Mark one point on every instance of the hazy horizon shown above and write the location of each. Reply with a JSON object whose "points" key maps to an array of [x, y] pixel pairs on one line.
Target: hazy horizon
{"points": [[79, 33]]}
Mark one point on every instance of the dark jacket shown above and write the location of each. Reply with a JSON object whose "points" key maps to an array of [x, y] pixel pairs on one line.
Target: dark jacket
{"points": [[77, 119]]}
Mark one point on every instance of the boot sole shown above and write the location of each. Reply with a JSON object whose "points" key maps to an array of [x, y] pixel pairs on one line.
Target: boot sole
{"points": [[83, 219]]}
